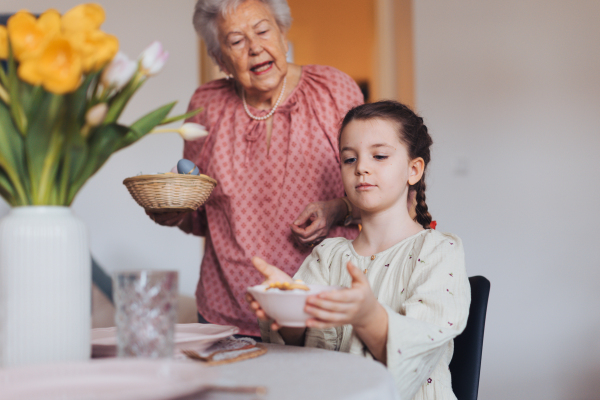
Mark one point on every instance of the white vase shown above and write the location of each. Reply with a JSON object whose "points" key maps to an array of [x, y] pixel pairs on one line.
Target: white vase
{"points": [[45, 286]]}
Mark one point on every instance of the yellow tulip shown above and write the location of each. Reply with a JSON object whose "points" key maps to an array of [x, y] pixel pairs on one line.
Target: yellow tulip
{"points": [[29, 36], [96, 48], [58, 68], [3, 43], [84, 17]]}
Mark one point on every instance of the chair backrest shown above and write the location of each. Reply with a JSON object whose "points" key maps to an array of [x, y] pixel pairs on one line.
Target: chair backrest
{"points": [[466, 362]]}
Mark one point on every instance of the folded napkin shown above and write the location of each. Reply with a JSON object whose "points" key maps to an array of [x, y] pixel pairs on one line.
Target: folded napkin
{"points": [[230, 350]]}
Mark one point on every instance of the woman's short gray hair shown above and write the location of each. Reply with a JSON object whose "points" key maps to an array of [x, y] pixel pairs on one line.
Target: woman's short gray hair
{"points": [[207, 11]]}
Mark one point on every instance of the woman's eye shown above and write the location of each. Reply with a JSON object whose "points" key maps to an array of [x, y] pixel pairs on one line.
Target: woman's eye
{"points": [[381, 157], [262, 32], [349, 160], [236, 42]]}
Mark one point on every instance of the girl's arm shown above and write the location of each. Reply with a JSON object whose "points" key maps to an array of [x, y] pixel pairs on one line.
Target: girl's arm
{"points": [[357, 306], [374, 333]]}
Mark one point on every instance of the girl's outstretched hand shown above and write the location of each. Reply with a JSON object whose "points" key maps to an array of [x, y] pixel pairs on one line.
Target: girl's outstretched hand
{"points": [[271, 274], [355, 305]]}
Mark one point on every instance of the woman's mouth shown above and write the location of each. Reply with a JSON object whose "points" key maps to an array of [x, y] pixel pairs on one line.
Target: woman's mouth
{"points": [[261, 68]]}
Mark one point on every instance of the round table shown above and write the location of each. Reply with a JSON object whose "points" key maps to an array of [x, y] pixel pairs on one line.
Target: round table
{"points": [[290, 372], [287, 372]]}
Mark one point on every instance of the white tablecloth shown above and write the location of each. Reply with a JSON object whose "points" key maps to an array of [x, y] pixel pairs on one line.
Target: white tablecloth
{"points": [[287, 372], [290, 372]]}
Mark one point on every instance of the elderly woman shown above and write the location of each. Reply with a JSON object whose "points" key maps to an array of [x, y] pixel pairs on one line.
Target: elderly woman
{"points": [[272, 146]]}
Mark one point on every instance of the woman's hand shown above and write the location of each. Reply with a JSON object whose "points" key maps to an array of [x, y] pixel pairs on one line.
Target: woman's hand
{"points": [[355, 305], [314, 223], [181, 220], [272, 274]]}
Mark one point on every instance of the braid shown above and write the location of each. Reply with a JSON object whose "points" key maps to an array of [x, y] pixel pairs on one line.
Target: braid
{"points": [[421, 144], [423, 217]]}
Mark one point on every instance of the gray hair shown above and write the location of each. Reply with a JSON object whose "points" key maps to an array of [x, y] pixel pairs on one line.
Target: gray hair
{"points": [[206, 13]]}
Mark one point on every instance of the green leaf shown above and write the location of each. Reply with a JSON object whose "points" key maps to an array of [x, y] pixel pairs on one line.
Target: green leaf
{"points": [[77, 101], [145, 124], [180, 117], [102, 143], [41, 135], [11, 155], [14, 83], [3, 77], [119, 101], [7, 190]]}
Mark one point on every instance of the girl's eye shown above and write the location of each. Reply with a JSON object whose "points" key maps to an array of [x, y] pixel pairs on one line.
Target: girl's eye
{"points": [[349, 160], [381, 157]]}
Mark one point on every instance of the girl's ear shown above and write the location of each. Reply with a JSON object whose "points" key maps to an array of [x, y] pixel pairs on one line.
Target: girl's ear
{"points": [[416, 167]]}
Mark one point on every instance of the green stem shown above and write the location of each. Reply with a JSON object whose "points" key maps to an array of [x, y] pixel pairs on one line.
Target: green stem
{"points": [[64, 179], [14, 178], [4, 94], [46, 179], [3, 78]]}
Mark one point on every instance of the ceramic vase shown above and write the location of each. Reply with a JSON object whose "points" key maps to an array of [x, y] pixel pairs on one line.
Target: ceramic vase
{"points": [[45, 286]]}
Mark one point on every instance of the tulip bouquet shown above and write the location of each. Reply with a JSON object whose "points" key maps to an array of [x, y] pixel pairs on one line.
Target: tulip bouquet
{"points": [[61, 95]]}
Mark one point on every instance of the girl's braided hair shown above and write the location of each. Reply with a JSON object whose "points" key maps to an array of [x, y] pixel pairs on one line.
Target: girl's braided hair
{"points": [[412, 132]]}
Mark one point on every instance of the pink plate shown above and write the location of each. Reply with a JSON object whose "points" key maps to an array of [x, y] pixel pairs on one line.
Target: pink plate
{"points": [[113, 379], [187, 336]]}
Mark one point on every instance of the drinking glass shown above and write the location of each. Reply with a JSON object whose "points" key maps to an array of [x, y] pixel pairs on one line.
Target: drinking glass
{"points": [[146, 312]]}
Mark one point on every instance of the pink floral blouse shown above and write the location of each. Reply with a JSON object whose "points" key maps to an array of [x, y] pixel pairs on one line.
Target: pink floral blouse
{"points": [[259, 192]]}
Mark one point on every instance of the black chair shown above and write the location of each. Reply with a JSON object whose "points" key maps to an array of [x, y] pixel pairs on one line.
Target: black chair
{"points": [[466, 362]]}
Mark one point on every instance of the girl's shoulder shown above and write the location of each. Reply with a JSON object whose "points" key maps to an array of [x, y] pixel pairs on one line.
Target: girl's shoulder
{"points": [[434, 238], [435, 245], [332, 245]]}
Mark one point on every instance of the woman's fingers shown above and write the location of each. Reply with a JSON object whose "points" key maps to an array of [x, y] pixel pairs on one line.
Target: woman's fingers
{"points": [[305, 215], [167, 219], [275, 326]]}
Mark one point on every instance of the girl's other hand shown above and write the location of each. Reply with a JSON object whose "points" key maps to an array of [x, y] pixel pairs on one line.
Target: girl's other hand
{"points": [[314, 223], [272, 274], [355, 305]]}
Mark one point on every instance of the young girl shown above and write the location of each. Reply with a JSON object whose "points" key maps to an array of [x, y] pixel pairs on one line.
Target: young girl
{"points": [[406, 293]]}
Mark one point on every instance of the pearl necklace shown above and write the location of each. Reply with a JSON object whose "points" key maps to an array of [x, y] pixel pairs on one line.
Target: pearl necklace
{"points": [[254, 117]]}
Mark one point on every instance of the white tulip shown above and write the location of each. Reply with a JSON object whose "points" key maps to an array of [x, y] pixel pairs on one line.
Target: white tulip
{"points": [[95, 115], [192, 131], [118, 72], [153, 58]]}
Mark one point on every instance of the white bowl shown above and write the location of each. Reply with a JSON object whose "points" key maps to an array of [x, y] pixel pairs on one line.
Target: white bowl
{"points": [[286, 307]]}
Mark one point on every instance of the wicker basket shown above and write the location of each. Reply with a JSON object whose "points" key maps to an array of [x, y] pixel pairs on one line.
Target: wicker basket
{"points": [[170, 192]]}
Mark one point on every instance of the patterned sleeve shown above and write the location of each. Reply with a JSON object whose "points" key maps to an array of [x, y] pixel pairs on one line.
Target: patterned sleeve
{"points": [[434, 312]]}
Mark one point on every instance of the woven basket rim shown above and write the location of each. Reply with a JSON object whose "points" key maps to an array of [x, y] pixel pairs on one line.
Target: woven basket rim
{"points": [[159, 177]]}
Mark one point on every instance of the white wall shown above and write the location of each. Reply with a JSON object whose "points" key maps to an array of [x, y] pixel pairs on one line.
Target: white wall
{"points": [[511, 93], [122, 236]]}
